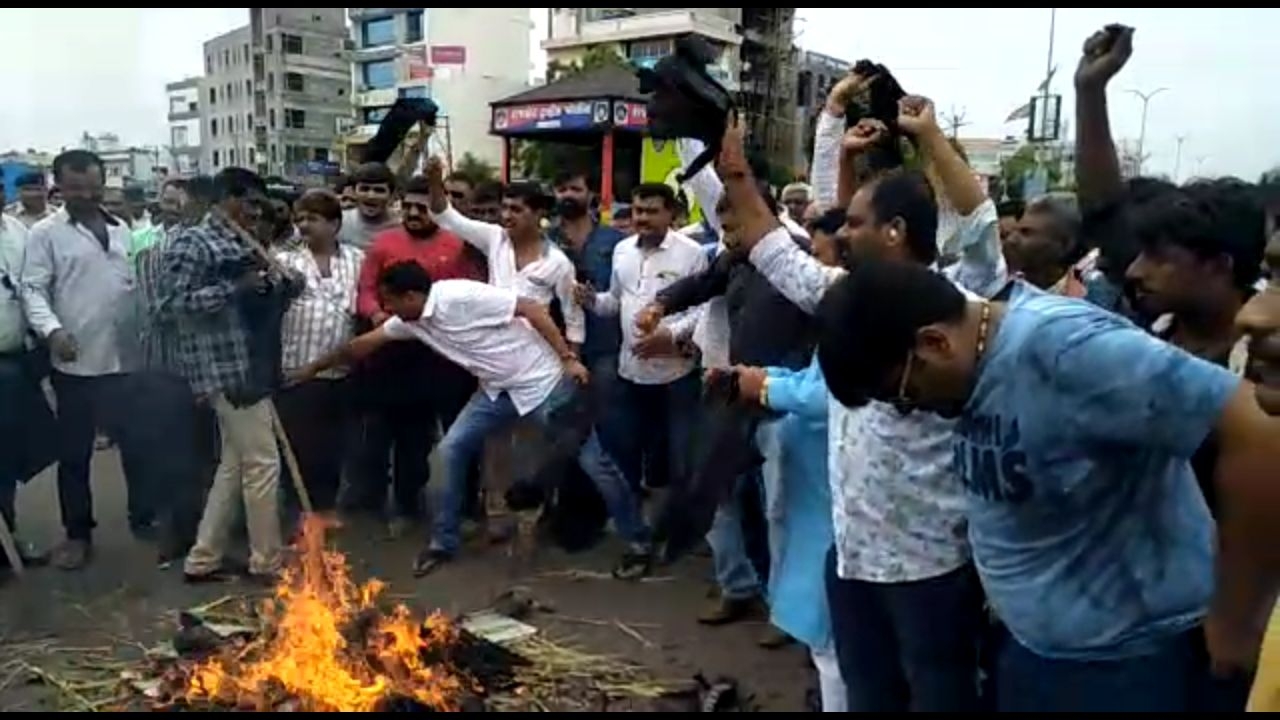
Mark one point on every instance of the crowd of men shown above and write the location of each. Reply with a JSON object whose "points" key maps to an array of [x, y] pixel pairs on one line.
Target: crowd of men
{"points": [[969, 456]]}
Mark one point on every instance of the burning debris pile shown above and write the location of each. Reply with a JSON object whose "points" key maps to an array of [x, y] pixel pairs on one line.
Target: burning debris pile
{"points": [[329, 645]]}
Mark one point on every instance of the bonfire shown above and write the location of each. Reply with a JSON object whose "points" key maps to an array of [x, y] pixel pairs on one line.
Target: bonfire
{"points": [[330, 645]]}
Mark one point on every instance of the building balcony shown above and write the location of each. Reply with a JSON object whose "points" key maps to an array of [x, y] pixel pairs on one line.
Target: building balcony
{"points": [[357, 14], [184, 115], [647, 25]]}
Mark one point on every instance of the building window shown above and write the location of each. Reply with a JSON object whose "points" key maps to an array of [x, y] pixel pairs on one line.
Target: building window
{"points": [[379, 74], [292, 44], [273, 152], [373, 116], [268, 43], [271, 82], [252, 156], [226, 94], [248, 121], [271, 118], [215, 158], [320, 154], [213, 127], [647, 51], [226, 58], [178, 136], [213, 96], [294, 82], [231, 156], [379, 32], [419, 91], [248, 87], [413, 30], [296, 119], [208, 64]]}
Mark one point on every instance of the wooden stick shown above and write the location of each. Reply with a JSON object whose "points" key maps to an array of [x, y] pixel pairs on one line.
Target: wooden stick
{"points": [[11, 548], [290, 459]]}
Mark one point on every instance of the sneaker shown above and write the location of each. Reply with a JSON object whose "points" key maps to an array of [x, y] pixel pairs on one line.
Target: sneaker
{"points": [[635, 564], [72, 554], [723, 611]]}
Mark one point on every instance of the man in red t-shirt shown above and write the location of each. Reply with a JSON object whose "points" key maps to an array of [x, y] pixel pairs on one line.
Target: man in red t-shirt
{"points": [[406, 389]]}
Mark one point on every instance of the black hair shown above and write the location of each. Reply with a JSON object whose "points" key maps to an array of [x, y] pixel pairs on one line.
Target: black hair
{"points": [[567, 175], [342, 183], [404, 277], [456, 176], [201, 189], [487, 192], [828, 222], [418, 185], [135, 194], [29, 179], [175, 182], [623, 213], [320, 202], [867, 323], [76, 161], [1010, 208], [1210, 219], [906, 194], [374, 173], [234, 182], [662, 191], [529, 193]]}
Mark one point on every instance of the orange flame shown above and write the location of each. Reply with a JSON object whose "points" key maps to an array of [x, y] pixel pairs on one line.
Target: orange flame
{"points": [[308, 654]]}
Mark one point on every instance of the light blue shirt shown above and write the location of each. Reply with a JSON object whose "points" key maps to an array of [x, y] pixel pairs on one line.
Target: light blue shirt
{"points": [[1089, 531], [797, 590]]}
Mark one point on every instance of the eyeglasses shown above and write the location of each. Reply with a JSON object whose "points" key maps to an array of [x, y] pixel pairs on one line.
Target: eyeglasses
{"points": [[903, 403]]}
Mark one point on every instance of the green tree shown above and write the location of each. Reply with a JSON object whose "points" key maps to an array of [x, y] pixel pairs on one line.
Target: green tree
{"points": [[596, 57], [475, 169]]}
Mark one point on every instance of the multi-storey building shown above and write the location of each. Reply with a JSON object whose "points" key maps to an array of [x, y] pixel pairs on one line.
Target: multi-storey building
{"points": [[184, 126], [460, 58]]}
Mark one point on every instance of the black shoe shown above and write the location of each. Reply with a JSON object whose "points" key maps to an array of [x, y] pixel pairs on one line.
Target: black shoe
{"points": [[634, 565], [208, 578], [144, 530], [430, 560]]}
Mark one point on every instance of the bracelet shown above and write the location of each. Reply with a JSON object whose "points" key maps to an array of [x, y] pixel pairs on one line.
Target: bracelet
{"points": [[764, 392]]}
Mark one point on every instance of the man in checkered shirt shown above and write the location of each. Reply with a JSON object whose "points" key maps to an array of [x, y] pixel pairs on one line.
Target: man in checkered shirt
{"points": [[210, 276]]}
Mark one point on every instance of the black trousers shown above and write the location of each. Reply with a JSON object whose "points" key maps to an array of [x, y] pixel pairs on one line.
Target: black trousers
{"points": [[314, 418], [178, 449], [661, 422], [85, 405], [909, 646]]}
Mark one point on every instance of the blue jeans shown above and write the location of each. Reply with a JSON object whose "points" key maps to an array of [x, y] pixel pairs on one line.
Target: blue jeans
{"points": [[483, 416], [735, 574], [1175, 679]]}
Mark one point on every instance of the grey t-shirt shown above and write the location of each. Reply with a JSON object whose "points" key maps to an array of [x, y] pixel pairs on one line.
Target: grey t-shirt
{"points": [[359, 232]]}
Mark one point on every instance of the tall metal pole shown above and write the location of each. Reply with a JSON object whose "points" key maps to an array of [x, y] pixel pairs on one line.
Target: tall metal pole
{"points": [[1177, 159], [1142, 134]]}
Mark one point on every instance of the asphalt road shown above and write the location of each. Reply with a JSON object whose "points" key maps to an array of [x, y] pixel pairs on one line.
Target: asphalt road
{"points": [[124, 601]]}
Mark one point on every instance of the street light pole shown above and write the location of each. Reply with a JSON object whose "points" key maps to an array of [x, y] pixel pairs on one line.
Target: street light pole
{"points": [[1177, 159], [1142, 134]]}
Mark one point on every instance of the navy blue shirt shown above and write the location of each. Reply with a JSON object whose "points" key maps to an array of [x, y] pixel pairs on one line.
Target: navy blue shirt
{"points": [[594, 264]]}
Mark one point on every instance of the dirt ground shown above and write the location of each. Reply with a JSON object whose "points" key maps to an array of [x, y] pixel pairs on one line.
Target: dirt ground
{"points": [[123, 601]]}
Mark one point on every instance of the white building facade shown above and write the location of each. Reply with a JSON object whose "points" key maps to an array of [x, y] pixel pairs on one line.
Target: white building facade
{"points": [[460, 58], [184, 126]]}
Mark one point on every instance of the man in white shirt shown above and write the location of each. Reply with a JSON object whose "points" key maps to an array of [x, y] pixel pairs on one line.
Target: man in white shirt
{"points": [[525, 369], [659, 379], [77, 287]]}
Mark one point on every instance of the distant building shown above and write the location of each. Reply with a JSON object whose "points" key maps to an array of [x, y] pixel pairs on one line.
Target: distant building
{"points": [[125, 164], [184, 126], [460, 58], [816, 74], [986, 155], [753, 45], [276, 94]]}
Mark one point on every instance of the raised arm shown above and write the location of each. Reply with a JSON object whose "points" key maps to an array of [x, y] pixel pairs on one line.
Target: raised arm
{"points": [[705, 185], [826, 171], [1098, 178], [482, 236]]}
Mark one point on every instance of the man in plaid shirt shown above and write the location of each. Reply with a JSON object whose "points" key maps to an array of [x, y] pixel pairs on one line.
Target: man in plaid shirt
{"points": [[209, 275]]}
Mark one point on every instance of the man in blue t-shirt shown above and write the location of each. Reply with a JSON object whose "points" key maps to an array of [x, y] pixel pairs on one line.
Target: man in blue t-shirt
{"points": [[1075, 433]]}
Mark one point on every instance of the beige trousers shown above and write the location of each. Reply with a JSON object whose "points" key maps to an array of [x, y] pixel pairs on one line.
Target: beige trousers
{"points": [[248, 472]]}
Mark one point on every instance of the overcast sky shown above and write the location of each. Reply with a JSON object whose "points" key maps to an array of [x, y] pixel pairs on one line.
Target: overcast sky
{"points": [[100, 70]]}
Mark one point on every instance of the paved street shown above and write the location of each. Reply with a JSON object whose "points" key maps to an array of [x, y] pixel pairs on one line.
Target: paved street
{"points": [[123, 600]]}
